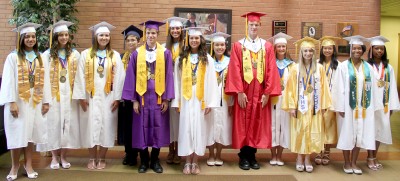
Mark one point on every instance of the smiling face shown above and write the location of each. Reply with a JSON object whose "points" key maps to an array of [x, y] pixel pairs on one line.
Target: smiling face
{"points": [[327, 50], [131, 42], [219, 48], [151, 35], [308, 54], [194, 41], [103, 39], [356, 51], [63, 38], [29, 40], [253, 27], [176, 32], [280, 49], [378, 51]]}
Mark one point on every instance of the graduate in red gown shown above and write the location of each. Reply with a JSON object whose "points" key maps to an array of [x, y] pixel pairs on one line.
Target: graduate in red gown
{"points": [[252, 79]]}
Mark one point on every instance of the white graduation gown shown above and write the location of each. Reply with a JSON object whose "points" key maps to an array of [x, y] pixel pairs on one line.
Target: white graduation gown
{"points": [[354, 132], [98, 125], [63, 116], [218, 121], [31, 125], [192, 134], [382, 119]]}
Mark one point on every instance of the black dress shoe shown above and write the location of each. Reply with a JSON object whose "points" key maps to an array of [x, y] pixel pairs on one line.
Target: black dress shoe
{"points": [[156, 167], [244, 164], [126, 160], [143, 168], [133, 162], [254, 165]]}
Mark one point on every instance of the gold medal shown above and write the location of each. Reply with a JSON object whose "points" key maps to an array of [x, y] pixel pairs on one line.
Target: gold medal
{"points": [[310, 89], [101, 75], [151, 76], [63, 72], [381, 83], [254, 64], [100, 69], [31, 81], [194, 80], [219, 79], [63, 79]]}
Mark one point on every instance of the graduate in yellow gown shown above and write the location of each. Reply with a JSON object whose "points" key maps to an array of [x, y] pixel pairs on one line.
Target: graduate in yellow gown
{"points": [[306, 98]]}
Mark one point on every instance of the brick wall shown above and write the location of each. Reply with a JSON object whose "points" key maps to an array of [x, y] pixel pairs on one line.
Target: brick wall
{"points": [[120, 13]]}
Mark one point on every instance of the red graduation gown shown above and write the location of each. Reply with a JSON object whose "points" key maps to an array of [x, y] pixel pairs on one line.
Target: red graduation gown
{"points": [[252, 125]]}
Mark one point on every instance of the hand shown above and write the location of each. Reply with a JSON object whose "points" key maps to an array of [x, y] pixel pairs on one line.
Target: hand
{"points": [[164, 106], [114, 105], [230, 110], [45, 108], [84, 104], [391, 112], [136, 107], [207, 110], [293, 113], [264, 100], [242, 99], [14, 109], [341, 114]]}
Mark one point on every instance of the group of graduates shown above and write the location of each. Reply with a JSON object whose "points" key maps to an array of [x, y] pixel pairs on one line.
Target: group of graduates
{"points": [[257, 97]]}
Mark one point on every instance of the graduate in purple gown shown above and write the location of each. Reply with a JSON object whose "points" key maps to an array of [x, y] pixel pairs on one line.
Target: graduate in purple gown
{"points": [[149, 85]]}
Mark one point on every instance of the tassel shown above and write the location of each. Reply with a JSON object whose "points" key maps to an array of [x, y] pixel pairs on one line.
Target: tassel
{"points": [[18, 40], [166, 28], [179, 107], [356, 113], [159, 100], [144, 32], [364, 113], [386, 108], [203, 105], [211, 49], [247, 28], [142, 101], [370, 52], [186, 38], [51, 38]]}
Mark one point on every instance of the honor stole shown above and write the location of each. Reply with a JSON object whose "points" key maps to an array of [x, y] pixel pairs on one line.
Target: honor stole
{"points": [[24, 84], [187, 80], [55, 68], [386, 91], [141, 72], [258, 59], [89, 73], [366, 92], [125, 58], [175, 52]]}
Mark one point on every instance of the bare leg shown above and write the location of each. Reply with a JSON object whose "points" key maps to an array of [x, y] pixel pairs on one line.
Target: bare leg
{"points": [[211, 156], [326, 155], [28, 158], [346, 156], [15, 155], [273, 153], [64, 155], [92, 158], [219, 151], [354, 156], [375, 153], [195, 165], [279, 152], [102, 158]]}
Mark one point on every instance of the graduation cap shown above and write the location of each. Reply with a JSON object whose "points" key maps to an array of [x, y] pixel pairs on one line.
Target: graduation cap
{"points": [[132, 30], [306, 42], [151, 25], [378, 40], [280, 38], [328, 40], [25, 28], [174, 22], [60, 26], [193, 31], [102, 27], [217, 37], [252, 16], [356, 40]]}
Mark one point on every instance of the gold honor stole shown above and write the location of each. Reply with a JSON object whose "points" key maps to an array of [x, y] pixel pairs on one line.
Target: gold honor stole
{"points": [[55, 68], [23, 81], [89, 74], [175, 52], [125, 58], [141, 71], [247, 65], [187, 80]]}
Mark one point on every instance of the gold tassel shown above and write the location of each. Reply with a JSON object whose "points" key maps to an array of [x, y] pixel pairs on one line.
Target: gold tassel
{"points": [[211, 49], [51, 37], [364, 113], [144, 32], [18, 40], [297, 53], [166, 28], [356, 114], [203, 104], [186, 38], [386, 108], [247, 28], [159, 100], [143, 101]]}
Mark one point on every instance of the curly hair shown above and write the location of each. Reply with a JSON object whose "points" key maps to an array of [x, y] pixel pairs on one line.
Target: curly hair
{"points": [[202, 52], [55, 47]]}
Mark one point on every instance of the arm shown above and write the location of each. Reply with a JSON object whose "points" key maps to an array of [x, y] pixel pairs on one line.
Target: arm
{"points": [[177, 85], [234, 77], [79, 83], [129, 89], [271, 76], [119, 77], [9, 92]]}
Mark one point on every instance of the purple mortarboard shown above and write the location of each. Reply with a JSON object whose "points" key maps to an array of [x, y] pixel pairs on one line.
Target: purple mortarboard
{"points": [[152, 24]]}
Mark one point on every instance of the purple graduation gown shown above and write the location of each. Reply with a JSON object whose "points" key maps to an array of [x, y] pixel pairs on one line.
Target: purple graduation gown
{"points": [[150, 128]]}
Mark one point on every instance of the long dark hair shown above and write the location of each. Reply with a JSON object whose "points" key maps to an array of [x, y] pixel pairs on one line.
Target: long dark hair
{"points": [[95, 47], [226, 52], [170, 40], [202, 52], [54, 47], [334, 61], [385, 60], [21, 53]]}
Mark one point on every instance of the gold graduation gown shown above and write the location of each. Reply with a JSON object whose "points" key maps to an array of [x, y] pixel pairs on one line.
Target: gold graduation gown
{"points": [[307, 133]]}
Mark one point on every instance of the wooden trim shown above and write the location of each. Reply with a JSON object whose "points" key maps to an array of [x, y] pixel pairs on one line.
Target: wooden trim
{"points": [[398, 65]]}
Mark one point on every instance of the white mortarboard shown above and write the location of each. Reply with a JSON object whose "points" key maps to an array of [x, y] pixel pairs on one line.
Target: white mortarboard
{"points": [[102, 27], [218, 37], [280, 38], [191, 31], [175, 21], [27, 28], [61, 26], [378, 40], [356, 40]]}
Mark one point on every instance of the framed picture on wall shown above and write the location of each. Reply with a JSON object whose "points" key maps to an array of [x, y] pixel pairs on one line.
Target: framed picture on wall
{"points": [[215, 20], [311, 29], [345, 29]]}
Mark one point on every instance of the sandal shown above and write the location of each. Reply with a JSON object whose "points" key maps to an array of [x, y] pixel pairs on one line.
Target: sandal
{"points": [[91, 164], [373, 166], [55, 164], [325, 158], [377, 164], [170, 157], [318, 159], [195, 169], [101, 164], [187, 168], [299, 166]]}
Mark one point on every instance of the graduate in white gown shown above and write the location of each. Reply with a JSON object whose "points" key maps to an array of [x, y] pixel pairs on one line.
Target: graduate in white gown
{"points": [[98, 86], [387, 94], [63, 116], [356, 102], [174, 43], [280, 118], [25, 94], [219, 121], [195, 86]]}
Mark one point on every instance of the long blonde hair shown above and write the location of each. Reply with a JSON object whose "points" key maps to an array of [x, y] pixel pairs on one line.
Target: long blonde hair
{"points": [[302, 69]]}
